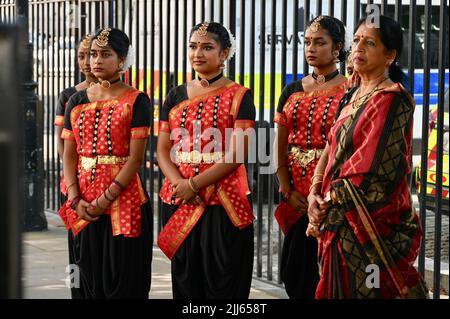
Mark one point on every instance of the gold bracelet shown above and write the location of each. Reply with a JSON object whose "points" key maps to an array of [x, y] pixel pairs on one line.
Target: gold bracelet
{"points": [[314, 184], [192, 185], [317, 175]]}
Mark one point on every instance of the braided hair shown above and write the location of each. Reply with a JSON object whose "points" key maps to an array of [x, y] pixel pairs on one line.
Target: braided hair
{"points": [[336, 30], [219, 34]]}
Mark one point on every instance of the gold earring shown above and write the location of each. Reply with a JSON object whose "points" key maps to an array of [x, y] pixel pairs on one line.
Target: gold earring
{"points": [[336, 55], [121, 70], [221, 65]]}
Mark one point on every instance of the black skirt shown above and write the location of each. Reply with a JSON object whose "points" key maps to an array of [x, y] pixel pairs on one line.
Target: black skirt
{"points": [[299, 269], [113, 266], [216, 259]]}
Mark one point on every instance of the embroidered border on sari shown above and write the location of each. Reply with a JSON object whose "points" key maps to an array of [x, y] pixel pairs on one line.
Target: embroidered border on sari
{"points": [[67, 135], [78, 226], [178, 228], [280, 119], [226, 202], [164, 126], [327, 92], [115, 211], [140, 132], [59, 120], [244, 124], [174, 110], [237, 101]]}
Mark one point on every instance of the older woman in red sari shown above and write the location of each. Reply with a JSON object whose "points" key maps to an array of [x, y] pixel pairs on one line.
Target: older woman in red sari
{"points": [[369, 234]]}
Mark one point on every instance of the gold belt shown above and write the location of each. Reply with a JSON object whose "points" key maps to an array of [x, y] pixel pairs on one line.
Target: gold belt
{"points": [[87, 163], [304, 157], [195, 157]]}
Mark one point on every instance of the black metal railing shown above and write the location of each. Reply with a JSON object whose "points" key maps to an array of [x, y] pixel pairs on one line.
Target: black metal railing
{"points": [[269, 56]]}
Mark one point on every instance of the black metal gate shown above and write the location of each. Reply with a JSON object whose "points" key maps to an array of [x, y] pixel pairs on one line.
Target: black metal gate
{"points": [[269, 41]]}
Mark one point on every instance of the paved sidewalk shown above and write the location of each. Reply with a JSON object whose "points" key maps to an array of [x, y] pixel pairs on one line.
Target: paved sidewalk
{"points": [[45, 260]]}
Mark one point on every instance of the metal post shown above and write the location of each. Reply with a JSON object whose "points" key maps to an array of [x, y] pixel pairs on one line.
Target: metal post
{"points": [[34, 219], [11, 165]]}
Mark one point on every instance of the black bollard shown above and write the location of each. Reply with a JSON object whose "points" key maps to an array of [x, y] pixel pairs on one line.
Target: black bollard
{"points": [[11, 164], [34, 217]]}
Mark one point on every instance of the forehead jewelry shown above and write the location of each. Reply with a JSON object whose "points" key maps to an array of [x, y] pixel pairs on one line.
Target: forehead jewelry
{"points": [[86, 43], [102, 39], [202, 30], [315, 26]]}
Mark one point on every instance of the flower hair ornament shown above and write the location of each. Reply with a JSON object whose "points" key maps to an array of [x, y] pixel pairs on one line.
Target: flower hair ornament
{"points": [[315, 26], [129, 60], [102, 39], [233, 45]]}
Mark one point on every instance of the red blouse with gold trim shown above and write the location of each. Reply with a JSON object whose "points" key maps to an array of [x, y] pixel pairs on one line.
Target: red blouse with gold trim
{"points": [[308, 117], [228, 107], [102, 131]]}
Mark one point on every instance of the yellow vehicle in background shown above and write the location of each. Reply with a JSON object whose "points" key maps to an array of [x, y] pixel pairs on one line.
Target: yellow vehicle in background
{"points": [[431, 158]]}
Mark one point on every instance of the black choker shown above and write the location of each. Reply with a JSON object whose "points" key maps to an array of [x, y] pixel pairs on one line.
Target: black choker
{"points": [[321, 79], [205, 83], [106, 84]]}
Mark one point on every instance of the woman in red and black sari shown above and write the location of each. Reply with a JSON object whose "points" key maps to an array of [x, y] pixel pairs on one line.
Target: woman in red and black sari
{"points": [[208, 219], [107, 213], [369, 232], [64, 96], [305, 114]]}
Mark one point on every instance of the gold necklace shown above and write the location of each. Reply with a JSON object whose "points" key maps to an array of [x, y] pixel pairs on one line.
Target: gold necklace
{"points": [[356, 105]]}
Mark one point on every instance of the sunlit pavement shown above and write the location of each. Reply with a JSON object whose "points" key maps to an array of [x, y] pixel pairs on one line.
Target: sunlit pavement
{"points": [[45, 259]]}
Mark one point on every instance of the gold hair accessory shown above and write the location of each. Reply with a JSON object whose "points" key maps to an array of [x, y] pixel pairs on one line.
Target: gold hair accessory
{"points": [[86, 43], [202, 30], [315, 26], [102, 39]]}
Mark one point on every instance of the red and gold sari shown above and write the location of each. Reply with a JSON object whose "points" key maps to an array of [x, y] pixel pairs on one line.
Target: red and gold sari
{"points": [[371, 229], [218, 110], [102, 131], [308, 117]]}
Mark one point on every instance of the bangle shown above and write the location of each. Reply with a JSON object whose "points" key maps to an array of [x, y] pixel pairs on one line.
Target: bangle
{"points": [[74, 202], [317, 175], [98, 205], [104, 194], [286, 195], [192, 185], [121, 186], [113, 194], [314, 184], [68, 187]]}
